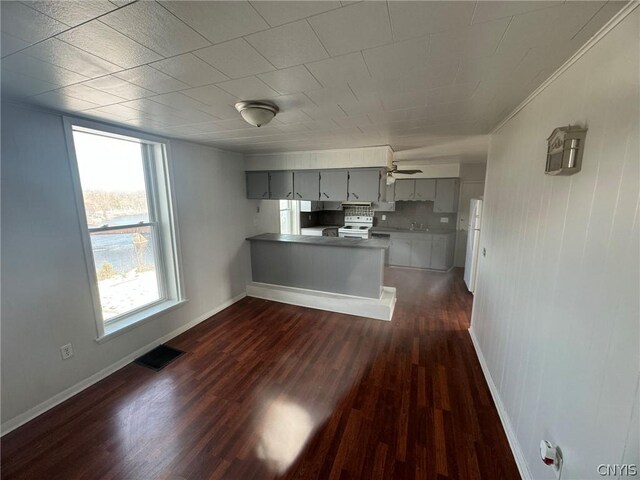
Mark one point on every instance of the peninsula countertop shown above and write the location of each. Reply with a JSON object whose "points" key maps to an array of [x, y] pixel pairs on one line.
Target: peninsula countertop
{"points": [[377, 243]]}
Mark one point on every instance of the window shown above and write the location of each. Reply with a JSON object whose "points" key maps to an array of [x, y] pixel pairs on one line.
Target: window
{"points": [[125, 203], [290, 217]]}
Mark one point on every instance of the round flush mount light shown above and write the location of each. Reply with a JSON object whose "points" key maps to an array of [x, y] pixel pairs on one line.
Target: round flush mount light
{"points": [[257, 113]]}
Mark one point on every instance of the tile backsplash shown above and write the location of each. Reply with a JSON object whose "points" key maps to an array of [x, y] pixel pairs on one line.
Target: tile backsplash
{"points": [[419, 212]]}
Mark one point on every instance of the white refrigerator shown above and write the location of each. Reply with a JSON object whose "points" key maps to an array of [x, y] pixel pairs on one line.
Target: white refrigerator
{"points": [[473, 244]]}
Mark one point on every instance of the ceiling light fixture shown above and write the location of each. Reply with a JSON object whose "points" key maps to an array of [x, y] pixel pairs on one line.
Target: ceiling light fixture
{"points": [[257, 113]]}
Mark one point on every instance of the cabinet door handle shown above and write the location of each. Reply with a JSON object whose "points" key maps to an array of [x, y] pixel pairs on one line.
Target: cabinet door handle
{"points": [[298, 194], [355, 195], [288, 194], [325, 195], [265, 194]]}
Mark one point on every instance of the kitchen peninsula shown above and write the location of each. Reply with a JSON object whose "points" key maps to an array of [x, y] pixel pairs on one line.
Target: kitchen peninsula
{"points": [[328, 273]]}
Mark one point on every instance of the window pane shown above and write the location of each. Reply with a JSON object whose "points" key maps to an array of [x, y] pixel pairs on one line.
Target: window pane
{"points": [[126, 269], [112, 177]]}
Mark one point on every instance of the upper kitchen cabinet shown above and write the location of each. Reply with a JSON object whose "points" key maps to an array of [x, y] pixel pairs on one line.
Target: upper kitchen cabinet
{"points": [[333, 185], [281, 185], [446, 200], [258, 185], [425, 189], [364, 185], [405, 189], [306, 185]]}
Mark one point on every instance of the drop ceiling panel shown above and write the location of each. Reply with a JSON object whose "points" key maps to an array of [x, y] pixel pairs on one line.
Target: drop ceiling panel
{"points": [[289, 45], [415, 19], [156, 28], [190, 69], [353, 28], [290, 80], [103, 41], [280, 12], [27, 24], [235, 59], [72, 12], [218, 21], [343, 74], [71, 58]]}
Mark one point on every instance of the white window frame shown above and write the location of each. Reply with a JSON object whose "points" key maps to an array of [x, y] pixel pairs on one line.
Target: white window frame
{"points": [[162, 217], [293, 209]]}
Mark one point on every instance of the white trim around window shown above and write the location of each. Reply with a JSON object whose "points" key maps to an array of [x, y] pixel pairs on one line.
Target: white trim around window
{"points": [[156, 154]]}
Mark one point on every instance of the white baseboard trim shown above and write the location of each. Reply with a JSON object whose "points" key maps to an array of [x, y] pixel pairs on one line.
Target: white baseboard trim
{"points": [[521, 462], [41, 408], [380, 309]]}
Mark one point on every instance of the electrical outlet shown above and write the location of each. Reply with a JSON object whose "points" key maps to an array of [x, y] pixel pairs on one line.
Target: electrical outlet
{"points": [[444, 219], [66, 351], [384, 217]]}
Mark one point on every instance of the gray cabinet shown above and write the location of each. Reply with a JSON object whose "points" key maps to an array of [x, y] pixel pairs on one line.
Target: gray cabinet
{"points": [[258, 185], [281, 185], [425, 189], [333, 185], [421, 252], [364, 186], [440, 252], [446, 200], [400, 252], [405, 189], [306, 185]]}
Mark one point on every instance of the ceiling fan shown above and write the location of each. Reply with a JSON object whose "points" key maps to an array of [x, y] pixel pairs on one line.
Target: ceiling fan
{"points": [[394, 169]]}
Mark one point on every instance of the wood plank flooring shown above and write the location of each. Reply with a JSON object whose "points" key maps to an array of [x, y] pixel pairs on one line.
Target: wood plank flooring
{"points": [[268, 391]]}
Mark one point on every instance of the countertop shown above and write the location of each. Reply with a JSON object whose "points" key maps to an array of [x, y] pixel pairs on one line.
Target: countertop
{"points": [[432, 231], [379, 243]]}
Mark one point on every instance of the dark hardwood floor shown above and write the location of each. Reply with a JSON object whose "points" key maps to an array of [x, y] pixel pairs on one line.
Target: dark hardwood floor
{"points": [[269, 390]]}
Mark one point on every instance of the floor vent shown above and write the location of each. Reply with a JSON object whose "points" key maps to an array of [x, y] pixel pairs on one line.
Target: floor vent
{"points": [[159, 357]]}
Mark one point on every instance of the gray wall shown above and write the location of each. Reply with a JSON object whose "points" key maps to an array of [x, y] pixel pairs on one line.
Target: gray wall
{"points": [[557, 307], [45, 292]]}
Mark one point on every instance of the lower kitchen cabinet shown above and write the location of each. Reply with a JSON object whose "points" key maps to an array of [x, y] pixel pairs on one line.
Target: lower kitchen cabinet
{"points": [[421, 250], [400, 252]]}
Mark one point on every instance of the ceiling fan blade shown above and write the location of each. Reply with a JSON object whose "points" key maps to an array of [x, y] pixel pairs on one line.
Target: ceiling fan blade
{"points": [[408, 172]]}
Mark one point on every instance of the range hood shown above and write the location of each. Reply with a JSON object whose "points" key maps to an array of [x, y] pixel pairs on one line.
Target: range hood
{"points": [[356, 204]]}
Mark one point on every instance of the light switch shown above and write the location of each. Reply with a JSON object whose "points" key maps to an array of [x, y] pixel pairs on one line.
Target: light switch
{"points": [[444, 219]]}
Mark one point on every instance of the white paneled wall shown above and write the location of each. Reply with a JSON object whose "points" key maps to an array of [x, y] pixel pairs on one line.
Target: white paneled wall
{"points": [[556, 315]]}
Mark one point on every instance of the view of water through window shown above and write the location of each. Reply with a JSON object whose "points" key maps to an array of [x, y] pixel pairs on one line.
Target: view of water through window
{"points": [[114, 192]]}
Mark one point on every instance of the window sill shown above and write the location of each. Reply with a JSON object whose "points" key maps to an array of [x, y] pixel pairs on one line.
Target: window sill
{"points": [[122, 326]]}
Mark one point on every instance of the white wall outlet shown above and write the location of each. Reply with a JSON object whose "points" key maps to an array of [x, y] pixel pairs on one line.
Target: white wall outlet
{"points": [[66, 351], [444, 219], [384, 217]]}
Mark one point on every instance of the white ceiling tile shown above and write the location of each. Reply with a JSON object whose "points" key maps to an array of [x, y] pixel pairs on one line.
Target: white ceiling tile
{"points": [[62, 102], [190, 69], [72, 12], [72, 58], [288, 45], [362, 107], [294, 101], [218, 21], [490, 10], [18, 85], [235, 59], [248, 88], [339, 70], [103, 41], [279, 12], [453, 93], [414, 19], [549, 25], [189, 108], [598, 20], [32, 67], [404, 99], [163, 113], [119, 87], [10, 44], [290, 80], [210, 95], [495, 66], [151, 79], [353, 28], [117, 111], [475, 41], [402, 57], [153, 26], [27, 24], [293, 117], [324, 111], [331, 95], [88, 94]]}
